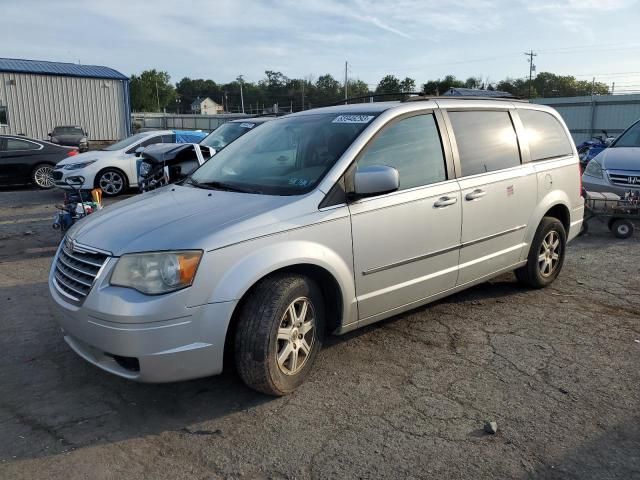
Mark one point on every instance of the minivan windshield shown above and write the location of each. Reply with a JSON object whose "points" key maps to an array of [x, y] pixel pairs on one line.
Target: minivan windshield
{"points": [[630, 138], [127, 142], [286, 156], [226, 133]]}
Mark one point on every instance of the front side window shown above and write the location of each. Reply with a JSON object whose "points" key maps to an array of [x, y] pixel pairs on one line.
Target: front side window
{"points": [[227, 133], [546, 137], [4, 120], [486, 141], [151, 141], [127, 142], [630, 138], [412, 146], [14, 144], [286, 156]]}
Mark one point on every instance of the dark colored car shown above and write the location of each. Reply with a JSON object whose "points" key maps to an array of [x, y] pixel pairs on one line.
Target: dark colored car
{"points": [[70, 136], [26, 160]]}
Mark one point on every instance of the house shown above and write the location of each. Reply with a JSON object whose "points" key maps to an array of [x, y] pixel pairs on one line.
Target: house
{"points": [[206, 106], [36, 96]]}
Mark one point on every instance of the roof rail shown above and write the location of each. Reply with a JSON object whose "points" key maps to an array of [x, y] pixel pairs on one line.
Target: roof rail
{"points": [[345, 101], [464, 97]]}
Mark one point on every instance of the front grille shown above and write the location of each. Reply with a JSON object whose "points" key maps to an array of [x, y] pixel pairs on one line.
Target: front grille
{"points": [[625, 180], [57, 174], [76, 271]]}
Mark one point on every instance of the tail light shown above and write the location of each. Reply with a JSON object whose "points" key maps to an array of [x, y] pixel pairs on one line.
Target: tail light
{"points": [[72, 152]]}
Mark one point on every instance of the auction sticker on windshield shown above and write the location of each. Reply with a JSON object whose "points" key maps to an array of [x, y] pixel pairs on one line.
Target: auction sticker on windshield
{"points": [[247, 125], [352, 119]]}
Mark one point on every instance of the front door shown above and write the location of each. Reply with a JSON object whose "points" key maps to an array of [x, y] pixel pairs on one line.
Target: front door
{"points": [[406, 243], [498, 192]]}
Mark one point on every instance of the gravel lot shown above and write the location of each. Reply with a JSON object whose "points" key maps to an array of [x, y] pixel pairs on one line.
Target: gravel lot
{"points": [[558, 370]]}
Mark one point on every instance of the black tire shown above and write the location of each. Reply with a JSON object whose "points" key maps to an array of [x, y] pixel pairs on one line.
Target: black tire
{"points": [[622, 228], [537, 273], [107, 181], [42, 176], [263, 316]]}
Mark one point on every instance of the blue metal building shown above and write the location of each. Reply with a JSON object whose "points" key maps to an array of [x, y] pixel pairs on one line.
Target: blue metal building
{"points": [[35, 96]]}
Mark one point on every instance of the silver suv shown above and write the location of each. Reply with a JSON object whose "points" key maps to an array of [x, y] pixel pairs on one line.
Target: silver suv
{"points": [[319, 222]]}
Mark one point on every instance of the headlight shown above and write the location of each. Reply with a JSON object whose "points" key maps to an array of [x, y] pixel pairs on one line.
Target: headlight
{"points": [[145, 168], [78, 166], [594, 169], [54, 140], [158, 272]]}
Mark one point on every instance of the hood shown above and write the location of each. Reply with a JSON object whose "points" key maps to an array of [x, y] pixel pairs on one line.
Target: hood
{"points": [[620, 158], [88, 156], [174, 217]]}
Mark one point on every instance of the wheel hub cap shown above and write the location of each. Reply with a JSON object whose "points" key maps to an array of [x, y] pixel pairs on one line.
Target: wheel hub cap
{"points": [[296, 334]]}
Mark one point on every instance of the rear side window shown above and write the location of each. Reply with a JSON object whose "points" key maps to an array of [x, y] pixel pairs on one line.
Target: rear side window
{"points": [[412, 146], [547, 138], [486, 141], [14, 144]]}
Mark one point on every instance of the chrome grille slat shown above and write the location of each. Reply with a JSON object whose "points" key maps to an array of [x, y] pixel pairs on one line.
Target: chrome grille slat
{"points": [[75, 272], [75, 279], [75, 267], [622, 179]]}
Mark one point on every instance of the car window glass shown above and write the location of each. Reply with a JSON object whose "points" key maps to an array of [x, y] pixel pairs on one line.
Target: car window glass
{"points": [[486, 141], [151, 141], [546, 137], [15, 144], [168, 138], [630, 138], [412, 146]]}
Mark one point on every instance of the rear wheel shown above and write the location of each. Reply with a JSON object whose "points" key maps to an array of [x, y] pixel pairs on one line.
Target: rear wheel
{"points": [[279, 333], [622, 228], [546, 255], [111, 181], [42, 176]]}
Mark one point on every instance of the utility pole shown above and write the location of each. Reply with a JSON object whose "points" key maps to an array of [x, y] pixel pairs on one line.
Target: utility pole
{"points": [[241, 81], [593, 86], [346, 84], [157, 96], [303, 82], [613, 87], [532, 67]]}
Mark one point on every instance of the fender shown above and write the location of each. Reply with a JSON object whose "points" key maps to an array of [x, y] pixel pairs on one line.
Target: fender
{"points": [[246, 263], [550, 200]]}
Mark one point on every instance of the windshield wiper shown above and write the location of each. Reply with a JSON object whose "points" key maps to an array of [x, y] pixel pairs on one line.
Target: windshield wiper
{"points": [[224, 186]]}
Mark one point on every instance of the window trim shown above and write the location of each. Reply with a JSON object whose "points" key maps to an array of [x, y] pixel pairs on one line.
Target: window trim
{"points": [[38, 145], [523, 150], [444, 142]]}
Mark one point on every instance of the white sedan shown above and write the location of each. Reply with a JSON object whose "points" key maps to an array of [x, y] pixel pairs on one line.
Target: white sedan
{"points": [[113, 168]]}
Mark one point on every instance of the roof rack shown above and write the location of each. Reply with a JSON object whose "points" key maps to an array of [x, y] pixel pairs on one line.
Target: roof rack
{"points": [[373, 95], [464, 97]]}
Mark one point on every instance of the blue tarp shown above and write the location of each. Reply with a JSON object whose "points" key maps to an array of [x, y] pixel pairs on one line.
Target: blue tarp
{"points": [[189, 136]]}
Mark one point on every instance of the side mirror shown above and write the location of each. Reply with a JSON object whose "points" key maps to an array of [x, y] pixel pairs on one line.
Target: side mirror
{"points": [[139, 151], [375, 180], [49, 134]]}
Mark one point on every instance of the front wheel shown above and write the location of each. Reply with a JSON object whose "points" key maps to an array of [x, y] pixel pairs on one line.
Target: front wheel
{"points": [[546, 255], [42, 176], [112, 182], [279, 333]]}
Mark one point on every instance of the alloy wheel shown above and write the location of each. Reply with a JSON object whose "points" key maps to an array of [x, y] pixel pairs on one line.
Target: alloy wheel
{"points": [[296, 335], [111, 183], [43, 177], [549, 254]]}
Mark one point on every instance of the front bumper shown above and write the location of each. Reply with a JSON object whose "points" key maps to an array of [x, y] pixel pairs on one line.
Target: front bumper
{"points": [[59, 176], [143, 338], [593, 184]]}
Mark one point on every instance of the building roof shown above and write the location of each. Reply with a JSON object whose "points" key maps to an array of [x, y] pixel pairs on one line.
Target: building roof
{"points": [[39, 67], [474, 92]]}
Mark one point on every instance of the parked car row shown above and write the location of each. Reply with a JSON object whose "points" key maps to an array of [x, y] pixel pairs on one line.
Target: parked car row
{"points": [[319, 222]]}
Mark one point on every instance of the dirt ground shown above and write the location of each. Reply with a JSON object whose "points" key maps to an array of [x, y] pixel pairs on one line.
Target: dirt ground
{"points": [[557, 369]]}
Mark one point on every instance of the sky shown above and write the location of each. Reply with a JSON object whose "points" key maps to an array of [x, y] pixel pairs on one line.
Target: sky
{"points": [[421, 39]]}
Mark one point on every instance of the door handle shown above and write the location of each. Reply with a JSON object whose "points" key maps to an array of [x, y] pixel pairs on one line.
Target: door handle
{"points": [[445, 202], [477, 193]]}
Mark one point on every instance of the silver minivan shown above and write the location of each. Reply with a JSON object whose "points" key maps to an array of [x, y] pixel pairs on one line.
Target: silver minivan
{"points": [[318, 222]]}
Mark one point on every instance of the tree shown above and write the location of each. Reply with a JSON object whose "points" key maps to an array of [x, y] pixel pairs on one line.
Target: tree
{"points": [[389, 84], [440, 86], [152, 92], [357, 88], [328, 90]]}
